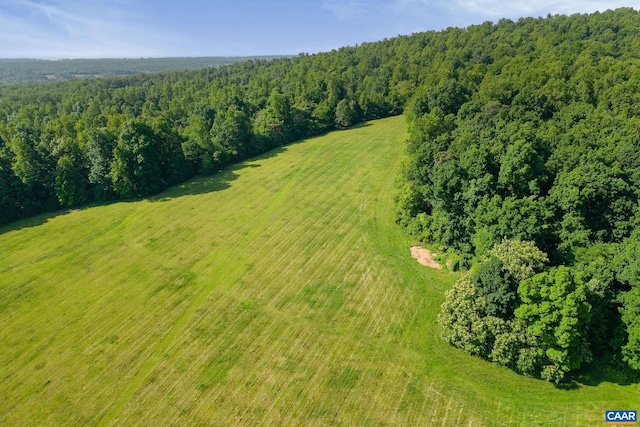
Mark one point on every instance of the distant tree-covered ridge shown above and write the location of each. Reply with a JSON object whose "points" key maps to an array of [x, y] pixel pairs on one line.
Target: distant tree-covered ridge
{"points": [[27, 71], [523, 161], [527, 141]]}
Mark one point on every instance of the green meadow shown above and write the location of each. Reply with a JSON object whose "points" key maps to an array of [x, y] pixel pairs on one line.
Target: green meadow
{"points": [[277, 292]]}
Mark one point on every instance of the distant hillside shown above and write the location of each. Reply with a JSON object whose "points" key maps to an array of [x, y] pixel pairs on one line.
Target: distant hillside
{"points": [[17, 71]]}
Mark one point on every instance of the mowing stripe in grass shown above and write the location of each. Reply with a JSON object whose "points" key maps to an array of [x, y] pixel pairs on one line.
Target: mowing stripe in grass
{"points": [[278, 292]]}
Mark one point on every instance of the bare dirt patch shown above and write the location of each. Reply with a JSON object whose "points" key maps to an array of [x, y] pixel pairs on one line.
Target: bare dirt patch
{"points": [[424, 257]]}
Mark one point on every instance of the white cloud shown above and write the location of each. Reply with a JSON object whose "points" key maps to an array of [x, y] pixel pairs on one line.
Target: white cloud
{"points": [[347, 9], [512, 8], [421, 15], [497, 8]]}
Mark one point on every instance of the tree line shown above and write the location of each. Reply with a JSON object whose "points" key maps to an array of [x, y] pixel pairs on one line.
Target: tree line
{"points": [[72, 143]]}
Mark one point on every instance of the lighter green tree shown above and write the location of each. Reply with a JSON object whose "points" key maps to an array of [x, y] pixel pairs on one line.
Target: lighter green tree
{"points": [[555, 309]]}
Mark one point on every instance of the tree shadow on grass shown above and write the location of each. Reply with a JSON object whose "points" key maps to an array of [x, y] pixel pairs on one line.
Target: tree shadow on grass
{"points": [[597, 373], [220, 180], [217, 181], [568, 386], [196, 185], [360, 125], [32, 221], [594, 374]]}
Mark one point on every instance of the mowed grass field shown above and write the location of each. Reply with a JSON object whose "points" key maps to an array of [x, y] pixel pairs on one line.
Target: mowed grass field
{"points": [[278, 292]]}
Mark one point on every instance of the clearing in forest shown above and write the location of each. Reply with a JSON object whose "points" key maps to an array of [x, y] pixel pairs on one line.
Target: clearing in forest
{"points": [[277, 292]]}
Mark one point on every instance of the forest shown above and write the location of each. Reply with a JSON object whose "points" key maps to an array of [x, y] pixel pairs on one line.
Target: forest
{"points": [[66, 144], [523, 163]]}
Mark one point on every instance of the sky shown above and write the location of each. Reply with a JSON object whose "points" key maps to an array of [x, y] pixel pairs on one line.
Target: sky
{"points": [[55, 29]]}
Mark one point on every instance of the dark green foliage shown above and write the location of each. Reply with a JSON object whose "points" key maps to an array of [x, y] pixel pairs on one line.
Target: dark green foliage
{"points": [[34, 165], [71, 184], [525, 219], [174, 167], [522, 171], [596, 204], [99, 149], [447, 96], [497, 286], [347, 114], [136, 166], [598, 268], [631, 319], [481, 314], [535, 142], [273, 125], [12, 191], [231, 130], [543, 333], [32, 162], [628, 263]]}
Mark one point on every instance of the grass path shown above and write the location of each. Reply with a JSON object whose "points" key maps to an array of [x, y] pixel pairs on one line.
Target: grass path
{"points": [[279, 292]]}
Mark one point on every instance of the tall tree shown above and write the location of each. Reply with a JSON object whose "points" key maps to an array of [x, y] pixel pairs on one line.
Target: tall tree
{"points": [[272, 125], [99, 147], [135, 170], [232, 131]]}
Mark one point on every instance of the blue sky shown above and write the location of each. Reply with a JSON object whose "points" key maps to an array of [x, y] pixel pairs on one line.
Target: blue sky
{"points": [[156, 28]]}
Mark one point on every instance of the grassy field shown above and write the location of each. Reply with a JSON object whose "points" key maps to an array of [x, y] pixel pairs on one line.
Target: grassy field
{"points": [[279, 292]]}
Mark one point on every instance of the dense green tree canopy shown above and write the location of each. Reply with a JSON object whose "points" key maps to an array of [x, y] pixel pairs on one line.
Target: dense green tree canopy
{"points": [[70, 143], [533, 137]]}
